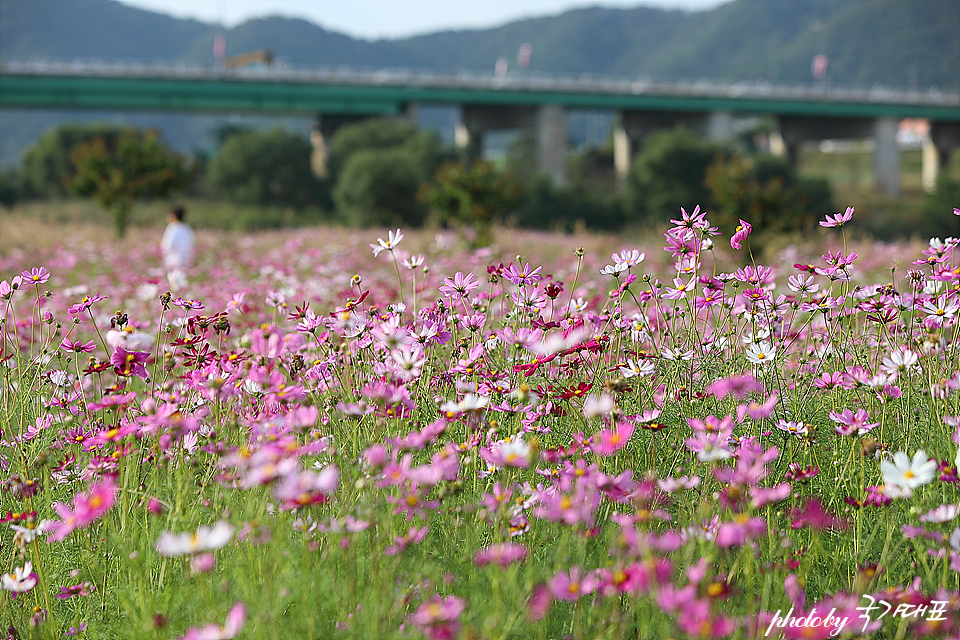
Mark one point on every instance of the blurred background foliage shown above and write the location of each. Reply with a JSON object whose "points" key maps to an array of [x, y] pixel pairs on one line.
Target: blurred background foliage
{"points": [[385, 172]]}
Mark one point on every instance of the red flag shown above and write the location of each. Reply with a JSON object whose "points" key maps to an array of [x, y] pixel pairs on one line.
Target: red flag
{"points": [[219, 46], [819, 66], [523, 58]]}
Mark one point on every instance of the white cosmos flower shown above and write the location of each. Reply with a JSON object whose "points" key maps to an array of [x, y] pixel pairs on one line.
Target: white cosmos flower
{"points": [[614, 269], [797, 428], [631, 258], [21, 580], [943, 513], [205, 539], [393, 239], [761, 353], [513, 451], [900, 361], [753, 338], [129, 339], [596, 406], [632, 368], [676, 354], [906, 473]]}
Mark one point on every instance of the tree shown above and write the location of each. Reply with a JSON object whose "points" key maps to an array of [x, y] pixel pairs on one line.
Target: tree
{"points": [[10, 187], [379, 188], [426, 149], [668, 173], [766, 191], [474, 195], [117, 172], [265, 168], [47, 166], [378, 166], [937, 209]]}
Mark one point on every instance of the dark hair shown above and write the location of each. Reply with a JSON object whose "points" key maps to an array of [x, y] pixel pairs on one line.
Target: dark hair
{"points": [[178, 213]]}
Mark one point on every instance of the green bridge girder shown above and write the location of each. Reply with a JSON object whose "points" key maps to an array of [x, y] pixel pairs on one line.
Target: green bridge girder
{"points": [[253, 95]]}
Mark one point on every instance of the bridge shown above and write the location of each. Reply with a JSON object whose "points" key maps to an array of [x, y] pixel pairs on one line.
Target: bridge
{"points": [[489, 102]]}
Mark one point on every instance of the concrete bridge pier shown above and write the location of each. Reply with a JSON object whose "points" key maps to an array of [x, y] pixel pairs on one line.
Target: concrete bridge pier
{"points": [[325, 125], [943, 140], [633, 126], [719, 126], [547, 124], [886, 156], [552, 142], [322, 130]]}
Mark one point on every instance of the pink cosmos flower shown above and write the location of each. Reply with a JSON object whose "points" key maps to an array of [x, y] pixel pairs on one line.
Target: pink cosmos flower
{"points": [[78, 346], [439, 617], [609, 441], [503, 554], [414, 536], [36, 275], [757, 411], [82, 589], [307, 487], [232, 626], [814, 516], [540, 602], [695, 220], [739, 386], [571, 586], [459, 285], [839, 219], [760, 497], [709, 447], [520, 276], [7, 288], [85, 303], [87, 507], [119, 400], [742, 529], [850, 423], [741, 234]]}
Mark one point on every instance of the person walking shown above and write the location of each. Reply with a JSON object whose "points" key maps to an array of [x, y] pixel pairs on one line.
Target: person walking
{"points": [[177, 247]]}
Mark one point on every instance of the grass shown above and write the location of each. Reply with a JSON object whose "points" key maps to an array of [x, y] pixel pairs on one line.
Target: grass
{"points": [[365, 454]]}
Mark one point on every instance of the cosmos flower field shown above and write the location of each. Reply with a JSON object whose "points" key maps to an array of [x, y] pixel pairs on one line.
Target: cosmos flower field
{"points": [[322, 434]]}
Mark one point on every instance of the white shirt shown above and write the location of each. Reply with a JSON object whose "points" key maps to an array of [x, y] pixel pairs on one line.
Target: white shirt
{"points": [[177, 246]]}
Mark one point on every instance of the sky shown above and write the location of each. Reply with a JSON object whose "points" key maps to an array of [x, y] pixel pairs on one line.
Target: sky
{"points": [[372, 19]]}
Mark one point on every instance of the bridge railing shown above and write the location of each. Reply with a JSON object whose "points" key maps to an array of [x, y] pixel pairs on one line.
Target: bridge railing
{"points": [[467, 79]]}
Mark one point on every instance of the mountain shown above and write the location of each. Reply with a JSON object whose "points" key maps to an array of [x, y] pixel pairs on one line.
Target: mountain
{"points": [[896, 43]]}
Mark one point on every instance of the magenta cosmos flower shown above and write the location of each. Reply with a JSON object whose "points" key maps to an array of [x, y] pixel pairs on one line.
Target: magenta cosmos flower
{"points": [[78, 346], [129, 363], [87, 507], [85, 303], [439, 617], [742, 232]]}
